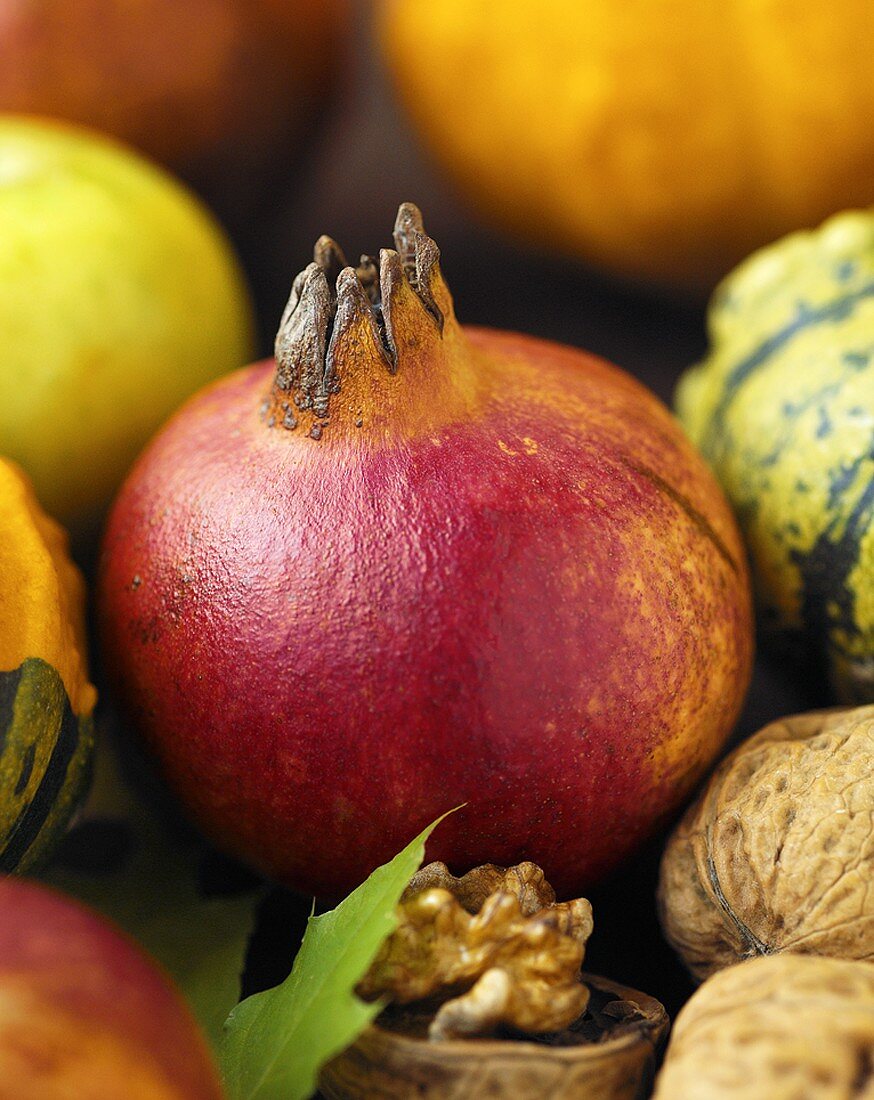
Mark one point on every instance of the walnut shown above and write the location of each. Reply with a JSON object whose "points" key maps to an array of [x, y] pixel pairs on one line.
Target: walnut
{"points": [[609, 1054], [778, 852], [493, 946], [779, 1028]]}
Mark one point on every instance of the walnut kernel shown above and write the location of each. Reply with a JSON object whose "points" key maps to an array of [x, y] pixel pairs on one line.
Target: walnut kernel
{"points": [[492, 946]]}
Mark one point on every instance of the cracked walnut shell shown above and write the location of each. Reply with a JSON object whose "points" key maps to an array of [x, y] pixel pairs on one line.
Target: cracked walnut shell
{"points": [[610, 1056], [492, 954], [777, 854], [778, 1028]]}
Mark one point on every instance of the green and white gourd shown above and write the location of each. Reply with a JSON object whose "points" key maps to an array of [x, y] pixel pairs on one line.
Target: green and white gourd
{"points": [[783, 409]]}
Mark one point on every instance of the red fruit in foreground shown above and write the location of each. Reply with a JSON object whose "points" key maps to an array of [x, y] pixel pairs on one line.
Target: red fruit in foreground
{"points": [[84, 1015], [417, 566]]}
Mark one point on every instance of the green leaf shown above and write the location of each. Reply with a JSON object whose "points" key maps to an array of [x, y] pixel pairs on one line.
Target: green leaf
{"points": [[153, 895], [276, 1042]]}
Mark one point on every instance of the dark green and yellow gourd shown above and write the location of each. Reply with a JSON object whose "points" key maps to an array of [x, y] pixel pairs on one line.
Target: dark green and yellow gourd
{"points": [[783, 408], [46, 701]]}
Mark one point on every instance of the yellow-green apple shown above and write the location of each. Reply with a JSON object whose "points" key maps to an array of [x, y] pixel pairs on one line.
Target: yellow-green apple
{"points": [[119, 296]]}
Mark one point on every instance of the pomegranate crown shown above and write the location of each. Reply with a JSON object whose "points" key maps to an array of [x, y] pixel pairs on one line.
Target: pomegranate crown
{"points": [[329, 297]]}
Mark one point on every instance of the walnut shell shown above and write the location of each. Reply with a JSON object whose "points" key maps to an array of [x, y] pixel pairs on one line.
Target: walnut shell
{"points": [[781, 1028], [394, 1060], [778, 852]]}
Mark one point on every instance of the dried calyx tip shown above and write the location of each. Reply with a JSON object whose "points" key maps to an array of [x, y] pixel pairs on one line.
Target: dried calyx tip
{"points": [[419, 256], [328, 294]]}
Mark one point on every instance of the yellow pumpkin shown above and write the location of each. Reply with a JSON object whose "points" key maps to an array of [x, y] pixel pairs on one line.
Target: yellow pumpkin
{"points": [[664, 141], [46, 700]]}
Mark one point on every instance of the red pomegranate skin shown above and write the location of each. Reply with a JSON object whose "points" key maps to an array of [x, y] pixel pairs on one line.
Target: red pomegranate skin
{"points": [[501, 577], [83, 1013]]}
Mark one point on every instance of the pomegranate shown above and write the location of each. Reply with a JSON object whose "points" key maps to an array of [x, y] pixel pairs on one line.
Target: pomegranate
{"points": [[83, 1013], [411, 565]]}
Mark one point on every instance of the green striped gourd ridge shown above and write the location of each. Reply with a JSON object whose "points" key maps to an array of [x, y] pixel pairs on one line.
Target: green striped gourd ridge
{"points": [[45, 751], [783, 409]]}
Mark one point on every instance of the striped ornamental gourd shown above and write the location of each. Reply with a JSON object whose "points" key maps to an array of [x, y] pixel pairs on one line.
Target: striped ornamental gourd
{"points": [[783, 409], [46, 701]]}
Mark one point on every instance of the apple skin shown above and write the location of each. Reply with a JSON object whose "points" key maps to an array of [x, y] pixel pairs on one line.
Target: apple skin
{"points": [[84, 1013], [200, 86], [119, 296], [518, 587]]}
